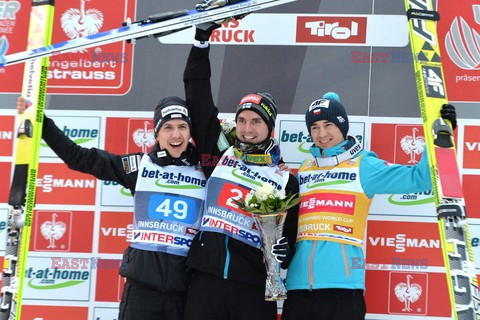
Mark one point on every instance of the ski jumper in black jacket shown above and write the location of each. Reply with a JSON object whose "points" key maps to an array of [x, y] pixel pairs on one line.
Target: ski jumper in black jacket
{"points": [[156, 281], [228, 274]]}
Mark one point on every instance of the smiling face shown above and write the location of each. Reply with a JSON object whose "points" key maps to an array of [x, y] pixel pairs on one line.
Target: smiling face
{"points": [[251, 128], [173, 136], [325, 134]]}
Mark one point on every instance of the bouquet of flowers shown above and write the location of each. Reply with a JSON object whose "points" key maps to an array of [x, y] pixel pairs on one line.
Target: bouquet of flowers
{"points": [[268, 207], [267, 200], [229, 129]]}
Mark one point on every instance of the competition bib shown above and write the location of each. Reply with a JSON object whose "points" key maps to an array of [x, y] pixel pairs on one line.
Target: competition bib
{"points": [[231, 180], [333, 206], [168, 207]]}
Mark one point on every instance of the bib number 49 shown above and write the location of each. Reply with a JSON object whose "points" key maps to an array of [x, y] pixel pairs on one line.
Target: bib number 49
{"points": [[174, 208], [180, 208]]}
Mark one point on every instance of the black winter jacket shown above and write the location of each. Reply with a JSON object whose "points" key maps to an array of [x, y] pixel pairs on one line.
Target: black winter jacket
{"points": [[158, 270], [213, 252]]}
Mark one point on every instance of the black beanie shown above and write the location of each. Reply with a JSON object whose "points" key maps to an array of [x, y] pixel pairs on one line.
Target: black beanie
{"points": [[170, 108], [261, 103], [328, 108]]}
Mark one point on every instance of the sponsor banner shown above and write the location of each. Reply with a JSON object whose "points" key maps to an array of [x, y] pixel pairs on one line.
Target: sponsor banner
{"points": [[475, 241], [406, 245], [407, 293], [98, 70], [115, 230], [312, 29], [471, 147], [84, 131], [3, 228], [7, 135], [56, 184], [458, 32], [472, 200], [399, 143], [129, 135], [105, 313], [109, 286], [62, 231], [417, 204], [115, 195], [295, 142], [31, 312], [5, 171], [46, 283], [14, 18]]}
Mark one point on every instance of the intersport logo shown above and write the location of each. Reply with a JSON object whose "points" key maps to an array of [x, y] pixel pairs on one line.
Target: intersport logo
{"points": [[331, 29]]}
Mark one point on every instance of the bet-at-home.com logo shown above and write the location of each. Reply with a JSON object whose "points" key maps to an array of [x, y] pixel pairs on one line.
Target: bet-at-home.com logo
{"points": [[55, 284], [84, 131], [295, 141]]}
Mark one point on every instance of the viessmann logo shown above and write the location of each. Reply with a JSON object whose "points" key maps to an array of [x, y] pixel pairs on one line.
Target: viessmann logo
{"points": [[400, 242], [331, 29], [48, 183]]}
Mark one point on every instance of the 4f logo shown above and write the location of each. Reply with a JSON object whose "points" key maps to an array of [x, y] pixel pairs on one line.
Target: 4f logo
{"points": [[432, 77]]}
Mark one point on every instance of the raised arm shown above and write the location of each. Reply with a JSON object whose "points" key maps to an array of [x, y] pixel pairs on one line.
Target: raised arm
{"points": [[198, 93], [99, 163]]}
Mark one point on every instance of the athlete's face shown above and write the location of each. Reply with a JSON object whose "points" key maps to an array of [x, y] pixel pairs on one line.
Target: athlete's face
{"points": [[326, 134], [251, 128], [173, 136]]}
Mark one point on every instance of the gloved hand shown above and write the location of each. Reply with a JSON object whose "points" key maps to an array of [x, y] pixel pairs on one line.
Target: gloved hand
{"points": [[203, 31], [282, 252], [448, 113]]}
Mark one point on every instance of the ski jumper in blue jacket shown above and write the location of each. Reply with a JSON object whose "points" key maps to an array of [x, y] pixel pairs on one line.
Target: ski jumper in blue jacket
{"points": [[337, 184]]}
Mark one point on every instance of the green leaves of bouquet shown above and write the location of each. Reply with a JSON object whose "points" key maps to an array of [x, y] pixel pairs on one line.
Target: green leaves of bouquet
{"points": [[267, 200], [229, 129]]}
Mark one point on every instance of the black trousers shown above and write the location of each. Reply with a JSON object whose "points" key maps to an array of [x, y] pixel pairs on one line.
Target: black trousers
{"points": [[140, 302], [213, 298], [324, 304]]}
